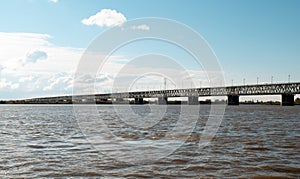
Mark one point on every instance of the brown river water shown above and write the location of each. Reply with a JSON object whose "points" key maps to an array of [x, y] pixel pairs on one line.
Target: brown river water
{"points": [[252, 141]]}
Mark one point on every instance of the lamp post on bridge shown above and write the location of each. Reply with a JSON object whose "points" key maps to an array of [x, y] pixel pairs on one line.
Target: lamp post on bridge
{"points": [[257, 79], [272, 77], [165, 83], [289, 78], [244, 81]]}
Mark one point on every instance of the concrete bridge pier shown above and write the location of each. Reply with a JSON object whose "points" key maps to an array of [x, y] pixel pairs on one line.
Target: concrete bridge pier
{"points": [[119, 100], [162, 100], [287, 100], [233, 100], [138, 101], [193, 100]]}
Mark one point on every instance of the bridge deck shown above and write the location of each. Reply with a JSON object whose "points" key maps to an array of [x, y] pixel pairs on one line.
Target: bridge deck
{"points": [[264, 89]]}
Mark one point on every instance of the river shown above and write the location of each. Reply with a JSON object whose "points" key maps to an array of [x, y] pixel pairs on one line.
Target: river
{"points": [[253, 141]]}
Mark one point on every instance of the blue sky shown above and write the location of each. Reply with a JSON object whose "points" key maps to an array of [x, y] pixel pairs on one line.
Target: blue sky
{"points": [[251, 38]]}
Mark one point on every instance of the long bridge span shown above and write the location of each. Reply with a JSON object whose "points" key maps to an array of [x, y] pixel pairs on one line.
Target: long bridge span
{"points": [[286, 90]]}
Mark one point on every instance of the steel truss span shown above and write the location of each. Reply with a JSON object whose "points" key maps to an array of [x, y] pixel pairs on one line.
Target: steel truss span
{"points": [[266, 89], [263, 89]]}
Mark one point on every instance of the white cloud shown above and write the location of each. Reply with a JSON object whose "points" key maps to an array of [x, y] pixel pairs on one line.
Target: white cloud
{"points": [[18, 49], [25, 79], [27, 63], [141, 27], [14, 86], [60, 82], [54, 1], [17, 45], [106, 17], [7, 84], [30, 66]]}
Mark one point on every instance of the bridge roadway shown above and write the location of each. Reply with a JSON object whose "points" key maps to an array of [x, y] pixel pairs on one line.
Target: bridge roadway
{"points": [[286, 90]]}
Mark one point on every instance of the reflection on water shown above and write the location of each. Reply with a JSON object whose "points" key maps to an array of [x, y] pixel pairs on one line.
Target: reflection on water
{"points": [[252, 141]]}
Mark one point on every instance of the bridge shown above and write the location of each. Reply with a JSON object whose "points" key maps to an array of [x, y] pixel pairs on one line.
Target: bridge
{"points": [[286, 90]]}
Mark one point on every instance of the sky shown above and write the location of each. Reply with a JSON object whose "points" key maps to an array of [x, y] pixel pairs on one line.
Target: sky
{"points": [[42, 42]]}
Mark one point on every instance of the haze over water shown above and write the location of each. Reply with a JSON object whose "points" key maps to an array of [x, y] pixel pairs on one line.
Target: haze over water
{"points": [[252, 141]]}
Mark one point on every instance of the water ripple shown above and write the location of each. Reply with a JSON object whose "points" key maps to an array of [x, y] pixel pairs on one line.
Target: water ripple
{"points": [[252, 142]]}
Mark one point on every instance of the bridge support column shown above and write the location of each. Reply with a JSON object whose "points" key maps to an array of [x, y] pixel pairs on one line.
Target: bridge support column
{"points": [[233, 100], [162, 100], [193, 100], [287, 100], [119, 100], [138, 101]]}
